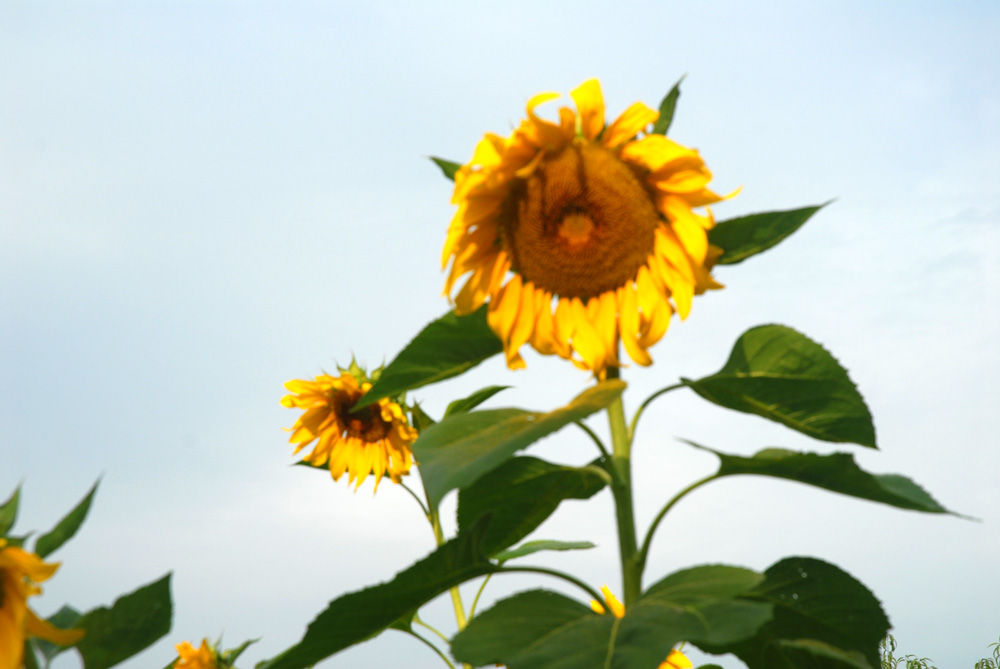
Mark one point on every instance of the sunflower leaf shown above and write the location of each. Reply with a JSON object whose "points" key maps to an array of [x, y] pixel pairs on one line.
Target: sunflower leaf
{"points": [[467, 404], [457, 451], [67, 527], [745, 236], [667, 108], [360, 615], [8, 512], [532, 547], [447, 167], [443, 349], [836, 472], [520, 495], [820, 613], [133, 623], [780, 374], [544, 629]]}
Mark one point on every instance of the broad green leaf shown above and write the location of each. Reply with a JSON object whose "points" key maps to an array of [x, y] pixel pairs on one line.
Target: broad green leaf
{"points": [[709, 666], [421, 420], [528, 620], [457, 451], [520, 494], [65, 618], [745, 236], [447, 167], [467, 404], [542, 629], [445, 348], [360, 615], [814, 602], [836, 472], [8, 512], [799, 653], [667, 108], [67, 527], [542, 545], [780, 374], [133, 623]]}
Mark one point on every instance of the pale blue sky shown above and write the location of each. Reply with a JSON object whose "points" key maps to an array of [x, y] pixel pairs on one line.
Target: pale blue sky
{"points": [[199, 201]]}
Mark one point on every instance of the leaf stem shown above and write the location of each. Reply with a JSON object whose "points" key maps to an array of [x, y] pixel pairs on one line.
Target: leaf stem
{"points": [[475, 602], [644, 552], [621, 489], [552, 572], [417, 498], [646, 403], [432, 647], [597, 440], [418, 620]]}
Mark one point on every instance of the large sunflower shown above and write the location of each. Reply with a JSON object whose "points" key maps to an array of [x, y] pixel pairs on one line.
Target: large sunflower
{"points": [[20, 571], [580, 234], [375, 439]]}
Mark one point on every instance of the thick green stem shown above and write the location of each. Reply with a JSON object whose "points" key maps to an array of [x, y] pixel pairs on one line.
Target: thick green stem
{"points": [[621, 489], [456, 596]]}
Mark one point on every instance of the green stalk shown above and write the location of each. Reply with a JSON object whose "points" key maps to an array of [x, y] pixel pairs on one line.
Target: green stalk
{"points": [[456, 596], [621, 490]]}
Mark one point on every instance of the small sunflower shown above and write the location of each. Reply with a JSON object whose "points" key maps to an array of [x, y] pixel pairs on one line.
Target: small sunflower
{"points": [[375, 439], [20, 571], [189, 657], [675, 660], [580, 234]]}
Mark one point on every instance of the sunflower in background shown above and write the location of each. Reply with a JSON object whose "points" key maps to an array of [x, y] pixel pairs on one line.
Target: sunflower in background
{"points": [[20, 572], [375, 439], [579, 234], [189, 657]]}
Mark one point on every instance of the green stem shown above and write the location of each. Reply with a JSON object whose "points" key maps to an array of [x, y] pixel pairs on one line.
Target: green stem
{"points": [[432, 647], [416, 497], [597, 440], [644, 553], [475, 602], [642, 407], [419, 621], [456, 596], [621, 490], [558, 574]]}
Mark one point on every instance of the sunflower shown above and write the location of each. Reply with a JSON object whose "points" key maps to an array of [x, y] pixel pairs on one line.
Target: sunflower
{"points": [[189, 657], [675, 660], [579, 234], [375, 439], [19, 573]]}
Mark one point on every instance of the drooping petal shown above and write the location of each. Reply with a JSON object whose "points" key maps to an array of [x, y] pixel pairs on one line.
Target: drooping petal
{"points": [[633, 120], [590, 105]]}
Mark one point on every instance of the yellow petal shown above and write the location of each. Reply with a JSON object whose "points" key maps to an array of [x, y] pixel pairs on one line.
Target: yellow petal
{"points": [[502, 314], [676, 660], [590, 105], [542, 133], [586, 340], [43, 629], [629, 319], [526, 317], [632, 121]]}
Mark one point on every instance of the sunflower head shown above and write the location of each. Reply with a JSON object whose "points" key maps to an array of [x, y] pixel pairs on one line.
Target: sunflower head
{"points": [[189, 657], [20, 572], [375, 439], [581, 234]]}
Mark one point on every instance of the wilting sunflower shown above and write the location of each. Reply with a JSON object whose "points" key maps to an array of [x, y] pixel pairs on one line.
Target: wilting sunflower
{"points": [[579, 234], [375, 439], [20, 571], [675, 660], [189, 657]]}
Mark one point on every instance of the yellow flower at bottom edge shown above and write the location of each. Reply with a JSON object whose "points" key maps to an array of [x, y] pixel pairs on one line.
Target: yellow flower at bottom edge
{"points": [[20, 571], [579, 234], [189, 657], [675, 660], [375, 439]]}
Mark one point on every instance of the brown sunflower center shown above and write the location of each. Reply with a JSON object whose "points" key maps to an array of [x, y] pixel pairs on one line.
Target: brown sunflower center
{"points": [[582, 224], [366, 424]]}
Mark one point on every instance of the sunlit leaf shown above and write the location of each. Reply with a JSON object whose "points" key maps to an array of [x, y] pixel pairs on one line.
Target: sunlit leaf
{"points": [[837, 472], [448, 168], [746, 236], [67, 527], [8, 512], [445, 348], [667, 108], [467, 404], [457, 451], [519, 495], [542, 545], [780, 374], [132, 624], [360, 615]]}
